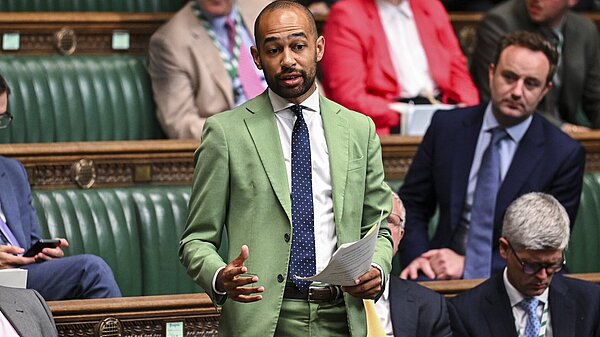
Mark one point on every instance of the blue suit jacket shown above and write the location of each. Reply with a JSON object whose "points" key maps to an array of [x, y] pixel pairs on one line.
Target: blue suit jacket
{"points": [[485, 310], [15, 198], [547, 160], [417, 311]]}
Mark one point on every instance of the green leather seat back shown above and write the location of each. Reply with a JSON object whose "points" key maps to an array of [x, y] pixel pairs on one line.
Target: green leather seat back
{"points": [[100, 222], [91, 5], [136, 230], [79, 98], [583, 253]]}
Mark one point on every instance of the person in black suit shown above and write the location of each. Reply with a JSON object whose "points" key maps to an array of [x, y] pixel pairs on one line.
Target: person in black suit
{"points": [[407, 309], [534, 235], [24, 312], [535, 156]]}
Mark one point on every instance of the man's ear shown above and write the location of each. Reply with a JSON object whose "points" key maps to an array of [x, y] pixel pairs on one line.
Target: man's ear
{"points": [[256, 57], [491, 70], [504, 248], [320, 45]]}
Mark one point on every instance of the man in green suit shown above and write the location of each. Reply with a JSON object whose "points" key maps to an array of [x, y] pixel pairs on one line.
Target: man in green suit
{"points": [[246, 183]]}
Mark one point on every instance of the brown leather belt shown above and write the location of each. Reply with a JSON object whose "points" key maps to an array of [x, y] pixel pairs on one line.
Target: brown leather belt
{"points": [[314, 294]]}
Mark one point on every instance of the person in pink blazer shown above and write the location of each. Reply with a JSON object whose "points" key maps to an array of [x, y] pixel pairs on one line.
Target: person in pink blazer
{"points": [[358, 69]]}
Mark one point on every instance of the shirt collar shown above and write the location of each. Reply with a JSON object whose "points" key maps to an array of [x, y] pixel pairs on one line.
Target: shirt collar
{"points": [[515, 296], [215, 21], [311, 104], [403, 8], [516, 132]]}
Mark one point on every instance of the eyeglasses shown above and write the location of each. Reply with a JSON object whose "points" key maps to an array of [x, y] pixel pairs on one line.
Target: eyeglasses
{"points": [[5, 119], [534, 268]]}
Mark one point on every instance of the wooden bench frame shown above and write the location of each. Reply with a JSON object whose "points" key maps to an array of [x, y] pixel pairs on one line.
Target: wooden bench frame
{"points": [[149, 315], [94, 30], [170, 162]]}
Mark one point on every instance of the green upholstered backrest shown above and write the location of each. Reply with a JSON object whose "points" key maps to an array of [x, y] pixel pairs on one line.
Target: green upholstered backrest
{"points": [[79, 98], [91, 5], [583, 253], [136, 231]]}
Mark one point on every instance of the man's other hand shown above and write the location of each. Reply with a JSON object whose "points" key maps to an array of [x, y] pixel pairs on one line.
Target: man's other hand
{"points": [[230, 282], [446, 263], [367, 286], [420, 264], [9, 257], [52, 253]]}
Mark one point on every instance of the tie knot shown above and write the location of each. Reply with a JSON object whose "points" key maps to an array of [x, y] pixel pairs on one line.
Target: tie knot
{"points": [[497, 135], [230, 24], [530, 305], [297, 110]]}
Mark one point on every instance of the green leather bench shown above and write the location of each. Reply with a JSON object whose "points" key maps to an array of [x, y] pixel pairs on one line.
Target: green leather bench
{"points": [[79, 98], [136, 231], [91, 5]]}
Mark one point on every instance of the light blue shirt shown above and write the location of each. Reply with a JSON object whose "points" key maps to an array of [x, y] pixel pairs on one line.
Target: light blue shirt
{"points": [[218, 25], [507, 148]]}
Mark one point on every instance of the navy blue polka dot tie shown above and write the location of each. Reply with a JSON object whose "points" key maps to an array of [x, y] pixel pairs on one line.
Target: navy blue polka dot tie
{"points": [[302, 261]]}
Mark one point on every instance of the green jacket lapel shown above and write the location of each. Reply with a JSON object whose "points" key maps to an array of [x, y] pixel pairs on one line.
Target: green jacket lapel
{"points": [[336, 136], [262, 127]]}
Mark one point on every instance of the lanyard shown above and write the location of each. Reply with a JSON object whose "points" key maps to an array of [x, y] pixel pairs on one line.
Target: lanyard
{"points": [[231, 62]]}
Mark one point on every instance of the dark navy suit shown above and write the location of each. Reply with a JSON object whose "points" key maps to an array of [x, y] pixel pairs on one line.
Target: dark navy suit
{"points": [[546, 160], [485, 310], [73, 277], [417, 311]]}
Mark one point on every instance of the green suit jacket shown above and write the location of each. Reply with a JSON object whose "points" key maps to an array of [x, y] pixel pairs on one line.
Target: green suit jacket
{"points": [[241, 186]]}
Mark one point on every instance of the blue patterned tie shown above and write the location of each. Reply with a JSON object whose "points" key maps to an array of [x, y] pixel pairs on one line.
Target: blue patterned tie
{"points": [[6, 235], [302, 261], [478, 254], [532, 329]]}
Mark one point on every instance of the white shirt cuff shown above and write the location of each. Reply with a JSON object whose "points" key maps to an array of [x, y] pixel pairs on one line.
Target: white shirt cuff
{"points": [[214, 283]]}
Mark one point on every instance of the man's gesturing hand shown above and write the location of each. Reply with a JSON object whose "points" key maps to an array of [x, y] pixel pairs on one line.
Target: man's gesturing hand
{"points": [[229, 280]]}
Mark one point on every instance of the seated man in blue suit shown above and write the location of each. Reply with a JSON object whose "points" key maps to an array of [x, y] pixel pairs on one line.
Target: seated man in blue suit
{"points": [[471, 182], [23, 312], [54, 276], [407, 309], [529, 298]]}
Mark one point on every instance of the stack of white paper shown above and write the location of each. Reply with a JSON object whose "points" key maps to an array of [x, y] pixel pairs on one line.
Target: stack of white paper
{"points": [[14, 277], [416, 117]]}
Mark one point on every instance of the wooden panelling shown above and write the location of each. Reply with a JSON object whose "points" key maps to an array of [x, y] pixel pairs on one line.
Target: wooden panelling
{"points": [[170, 162], [93, 31], [148, 316]]}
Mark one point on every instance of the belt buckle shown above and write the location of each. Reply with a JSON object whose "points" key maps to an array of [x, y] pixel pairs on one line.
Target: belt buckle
{"points": [[333, 294], [310, 293]]}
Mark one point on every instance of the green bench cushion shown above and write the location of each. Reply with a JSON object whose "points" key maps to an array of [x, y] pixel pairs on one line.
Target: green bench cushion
{"points": [[91, 5], [136, 231], [79, 98]]}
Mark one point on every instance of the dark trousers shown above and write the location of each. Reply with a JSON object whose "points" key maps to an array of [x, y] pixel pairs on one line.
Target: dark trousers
{"points": [[72, 277]]}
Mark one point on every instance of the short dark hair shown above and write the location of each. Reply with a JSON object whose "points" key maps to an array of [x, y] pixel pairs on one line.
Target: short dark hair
{"points": [[4, 88], [285, 4], [533, 42]]}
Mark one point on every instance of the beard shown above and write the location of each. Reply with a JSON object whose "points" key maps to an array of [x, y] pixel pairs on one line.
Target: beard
{"points": [[275, 83]]}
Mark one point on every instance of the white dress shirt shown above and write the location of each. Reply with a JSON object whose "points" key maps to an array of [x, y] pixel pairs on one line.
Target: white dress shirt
{"points": [[6, 329], [519, 314], [406, 50], [324, 223], [382, 307]]}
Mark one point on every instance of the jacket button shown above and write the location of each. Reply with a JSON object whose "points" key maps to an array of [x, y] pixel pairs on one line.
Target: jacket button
{"points": [[279, 278], [286, 237]]}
